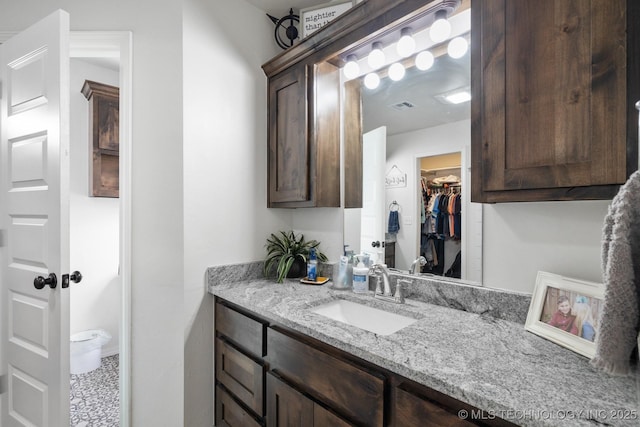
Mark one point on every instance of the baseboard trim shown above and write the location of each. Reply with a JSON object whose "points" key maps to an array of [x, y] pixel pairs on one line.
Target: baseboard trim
{"points": [[109, 351]]}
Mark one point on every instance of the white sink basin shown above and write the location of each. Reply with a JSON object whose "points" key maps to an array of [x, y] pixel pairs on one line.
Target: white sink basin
{"points": [[374, 320]]}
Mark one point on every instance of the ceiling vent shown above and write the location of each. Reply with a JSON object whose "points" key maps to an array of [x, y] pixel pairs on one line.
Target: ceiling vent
{"points": [[401, 106]]}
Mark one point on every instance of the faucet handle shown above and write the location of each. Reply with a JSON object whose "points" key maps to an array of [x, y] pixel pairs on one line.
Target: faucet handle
{"points": [[378, 277], [400, 290]]}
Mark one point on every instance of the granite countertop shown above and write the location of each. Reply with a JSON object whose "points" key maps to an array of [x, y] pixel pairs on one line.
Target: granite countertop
{"points": [[490, 363]]}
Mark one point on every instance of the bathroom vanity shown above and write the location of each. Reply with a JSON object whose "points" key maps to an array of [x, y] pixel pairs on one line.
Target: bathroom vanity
{"points": [[307, 382], [277, 361]]}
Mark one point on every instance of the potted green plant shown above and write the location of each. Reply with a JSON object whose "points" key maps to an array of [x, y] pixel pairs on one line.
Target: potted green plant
{"points": [[288, 253]]}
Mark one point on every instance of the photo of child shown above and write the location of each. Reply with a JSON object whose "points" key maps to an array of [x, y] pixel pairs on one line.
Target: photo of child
{"points": [[571, 312]]}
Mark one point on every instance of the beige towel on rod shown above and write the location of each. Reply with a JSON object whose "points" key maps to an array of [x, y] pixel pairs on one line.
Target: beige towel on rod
{"points": [[620, 316]]}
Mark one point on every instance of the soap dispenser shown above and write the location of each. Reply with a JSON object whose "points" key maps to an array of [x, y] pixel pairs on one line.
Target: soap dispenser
{"points": [[360, 276]]}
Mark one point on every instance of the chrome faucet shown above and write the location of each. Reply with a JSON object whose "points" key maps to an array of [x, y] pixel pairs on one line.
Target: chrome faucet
{"points": [[379, 270], [421, 261]]}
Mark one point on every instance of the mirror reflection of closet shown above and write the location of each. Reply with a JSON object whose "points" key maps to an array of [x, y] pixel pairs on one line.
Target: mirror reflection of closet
{"points": [[419, 124], [440, 213]]}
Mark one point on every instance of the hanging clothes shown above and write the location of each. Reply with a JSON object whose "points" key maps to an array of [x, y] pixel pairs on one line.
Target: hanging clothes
{"points": [[443, 222], [457, 217]]}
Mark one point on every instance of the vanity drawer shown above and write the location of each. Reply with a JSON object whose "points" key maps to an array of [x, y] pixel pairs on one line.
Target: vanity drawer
{"points": [[414, 404], [351, 391], [229, 413], [241, 375], [242, 330], [412, 410]]}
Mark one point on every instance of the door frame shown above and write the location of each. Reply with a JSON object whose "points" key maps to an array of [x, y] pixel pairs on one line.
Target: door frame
{"points": [[472, 217], [114, 44]]}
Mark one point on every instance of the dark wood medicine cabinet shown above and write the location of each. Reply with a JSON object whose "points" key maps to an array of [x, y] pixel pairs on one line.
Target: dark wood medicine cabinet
{"points": [[104, 118], [554, 86], [547, 124]]}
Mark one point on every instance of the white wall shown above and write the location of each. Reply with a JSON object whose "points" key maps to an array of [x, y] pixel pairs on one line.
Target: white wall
{"points": [[157, 290], [226, 219], [558, 237], [322, 224], [95, 301]]}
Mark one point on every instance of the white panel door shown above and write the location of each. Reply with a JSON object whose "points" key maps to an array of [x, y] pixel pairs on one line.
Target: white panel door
{"points": [[372, 221], [34, 161]]}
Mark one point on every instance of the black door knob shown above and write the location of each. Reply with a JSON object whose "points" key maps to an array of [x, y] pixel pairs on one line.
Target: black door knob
{"points": [[74, 277], [375, 244], [40, 282]]}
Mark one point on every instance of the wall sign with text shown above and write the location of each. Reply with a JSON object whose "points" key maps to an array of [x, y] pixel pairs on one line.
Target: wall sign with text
{"points": [[315, 17]]}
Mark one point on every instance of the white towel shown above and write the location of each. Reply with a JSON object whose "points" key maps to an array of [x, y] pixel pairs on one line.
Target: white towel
{"points": [[620, 316]]}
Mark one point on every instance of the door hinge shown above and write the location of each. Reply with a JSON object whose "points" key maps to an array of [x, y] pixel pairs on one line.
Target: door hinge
{"points": [[2, 238], [3, 384]]}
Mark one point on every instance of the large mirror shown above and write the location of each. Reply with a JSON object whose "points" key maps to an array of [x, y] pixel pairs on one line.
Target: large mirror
{"points": [[415, 160]]}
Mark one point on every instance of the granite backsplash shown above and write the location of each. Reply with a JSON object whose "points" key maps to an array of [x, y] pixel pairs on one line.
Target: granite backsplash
{"points": [[496, 303]]}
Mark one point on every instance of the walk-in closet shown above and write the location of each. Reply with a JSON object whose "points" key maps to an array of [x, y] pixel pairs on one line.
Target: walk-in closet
{"points": [[441, 214]]}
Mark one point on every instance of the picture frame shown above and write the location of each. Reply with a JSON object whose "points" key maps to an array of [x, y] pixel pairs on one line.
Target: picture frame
{"points": [[565, 311], [395, 178], [315, 17]]}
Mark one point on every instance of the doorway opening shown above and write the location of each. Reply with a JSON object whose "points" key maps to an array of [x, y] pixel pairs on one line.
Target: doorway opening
{"points": [[101, 231], [440, 211], [95, 304]]}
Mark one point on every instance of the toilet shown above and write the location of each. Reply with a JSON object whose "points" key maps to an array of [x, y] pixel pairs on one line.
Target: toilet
{"points": [[86, 349]]}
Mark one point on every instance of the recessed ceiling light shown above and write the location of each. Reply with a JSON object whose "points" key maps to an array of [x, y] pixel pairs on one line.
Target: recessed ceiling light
{"points": [[457, 96]]}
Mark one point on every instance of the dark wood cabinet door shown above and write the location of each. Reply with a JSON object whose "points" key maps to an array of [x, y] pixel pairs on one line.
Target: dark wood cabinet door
{"points": [[241, 375], [288, 156], [104, 125], [304, 137], [552, 99], [287, 407], [229, 413]]}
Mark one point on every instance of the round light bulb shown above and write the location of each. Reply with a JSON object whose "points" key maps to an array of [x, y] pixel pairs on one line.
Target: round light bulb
{"points": [[424, 60], [376, 57], [406, 45], [371, 81], [351, 68], [396, 71], [457, 47], [440, 30]]}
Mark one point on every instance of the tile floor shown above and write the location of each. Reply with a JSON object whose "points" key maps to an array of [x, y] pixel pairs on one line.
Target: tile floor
{"points": [[94, 397]]}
